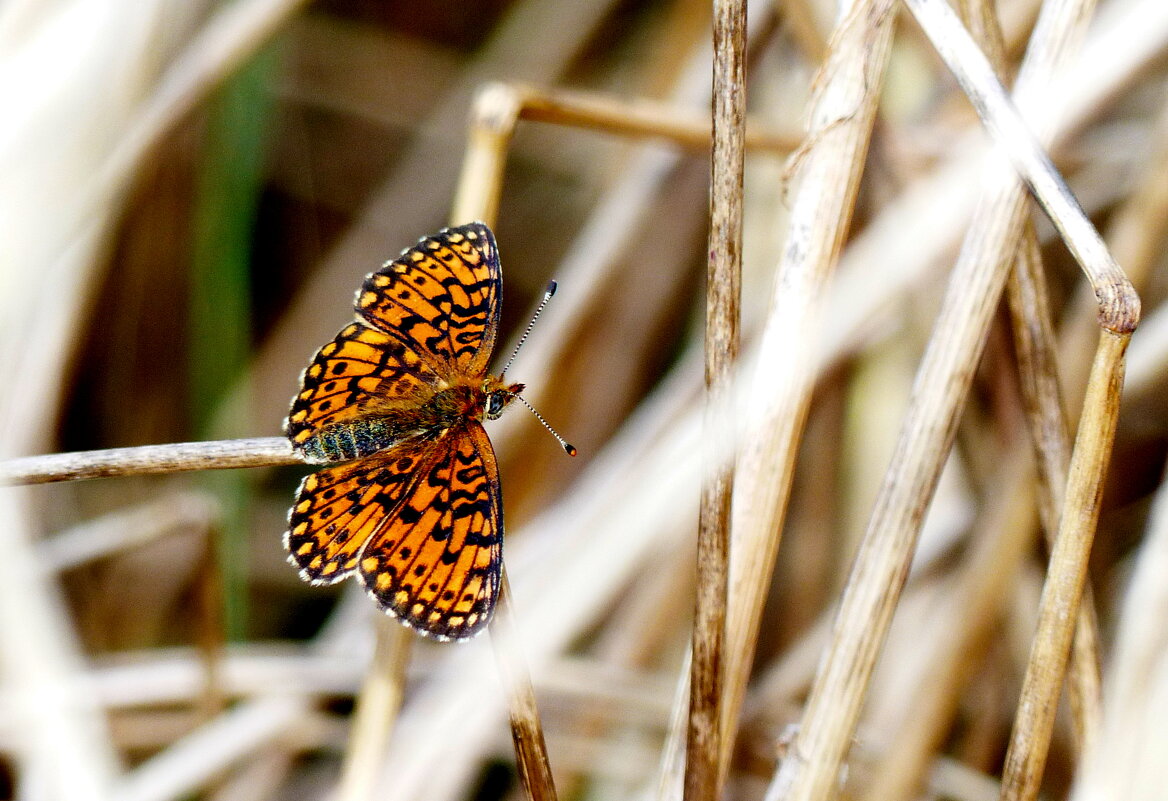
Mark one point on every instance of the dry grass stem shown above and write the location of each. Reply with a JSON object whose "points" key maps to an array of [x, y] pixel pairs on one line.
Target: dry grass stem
{"points": [[498, 107], [1119, 306], [1000, 542], [377, 707], [531, 756], [1067, 573], [827, 172], [1035, 349], [943, 379], [639, 117], [723, 298], [1035, 346], [148, 459]]}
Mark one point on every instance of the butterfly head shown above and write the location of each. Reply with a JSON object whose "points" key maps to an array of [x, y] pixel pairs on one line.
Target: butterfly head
{"points": [[498, 396]]}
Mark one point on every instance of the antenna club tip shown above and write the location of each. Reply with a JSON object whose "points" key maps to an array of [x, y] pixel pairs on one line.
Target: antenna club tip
{"points": [[570, 449], [551, 288]]}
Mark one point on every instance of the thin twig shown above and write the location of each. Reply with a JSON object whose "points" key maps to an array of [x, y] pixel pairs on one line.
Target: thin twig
{"points": [[1066, 575], [526, 728], [376, 710], [172, 458], [723, 295], [828, 176]]}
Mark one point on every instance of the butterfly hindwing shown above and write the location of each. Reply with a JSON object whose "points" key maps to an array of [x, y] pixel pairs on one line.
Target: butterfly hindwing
{"points": [[339, 509], [441, 298], [436, 563]]}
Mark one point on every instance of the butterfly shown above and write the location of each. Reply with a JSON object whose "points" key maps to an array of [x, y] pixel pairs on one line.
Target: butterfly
{"points": [[409, 500]]}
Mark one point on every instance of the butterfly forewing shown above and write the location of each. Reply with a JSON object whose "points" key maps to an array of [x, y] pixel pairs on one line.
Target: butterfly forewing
{"points": [[441, 296], [359, 366]]}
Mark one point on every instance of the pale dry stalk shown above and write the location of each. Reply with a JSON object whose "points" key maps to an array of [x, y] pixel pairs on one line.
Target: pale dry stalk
{"points": [[1035, 347], [531, 757], [1119, 311], [723, 297], [1066, 575], [377, 705], [148, 459], [827, 173], [999, 543], [882, 562]]}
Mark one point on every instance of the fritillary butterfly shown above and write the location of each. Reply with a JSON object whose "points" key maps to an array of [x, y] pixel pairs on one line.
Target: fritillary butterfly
{"points": [[410, 502]]}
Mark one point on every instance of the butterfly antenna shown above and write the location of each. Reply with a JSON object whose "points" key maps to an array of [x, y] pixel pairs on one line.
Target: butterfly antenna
{"points": [[568, 447], [547, 295]]}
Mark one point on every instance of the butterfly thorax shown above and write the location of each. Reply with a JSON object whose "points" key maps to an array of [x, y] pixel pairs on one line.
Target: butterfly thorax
{"points": [[385, 424]]}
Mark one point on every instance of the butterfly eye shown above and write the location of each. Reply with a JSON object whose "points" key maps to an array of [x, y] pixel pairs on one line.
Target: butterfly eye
{"points": [[496, 402]]}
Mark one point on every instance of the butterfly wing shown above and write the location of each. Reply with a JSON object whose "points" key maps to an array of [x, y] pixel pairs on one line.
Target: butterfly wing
{"points": [[360, 366], [440, 298], [429, 315], [435, 564], [338, 510]]}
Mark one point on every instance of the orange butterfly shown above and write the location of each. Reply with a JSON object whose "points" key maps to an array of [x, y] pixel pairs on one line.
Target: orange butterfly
{"points": [[397, 398]]}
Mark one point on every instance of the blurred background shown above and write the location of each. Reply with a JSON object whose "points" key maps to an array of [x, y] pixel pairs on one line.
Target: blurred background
{"points": [[190, 194]]}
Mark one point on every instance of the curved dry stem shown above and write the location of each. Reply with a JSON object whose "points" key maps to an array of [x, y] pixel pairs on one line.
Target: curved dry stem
{"points": [[882, 561], [828, 173], [1119, 306]]}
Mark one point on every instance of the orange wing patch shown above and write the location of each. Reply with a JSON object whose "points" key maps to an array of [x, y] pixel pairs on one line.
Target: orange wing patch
{"points": [[441, 298], [360, 365], [339, 509], [436, 563]]}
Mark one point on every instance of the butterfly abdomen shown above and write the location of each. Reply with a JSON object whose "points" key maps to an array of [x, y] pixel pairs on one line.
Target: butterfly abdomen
{"points": [[383, 428], [355, 439]]}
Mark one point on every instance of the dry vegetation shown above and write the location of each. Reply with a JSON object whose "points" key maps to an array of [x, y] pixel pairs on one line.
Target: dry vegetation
{"points": [[191, 193]]}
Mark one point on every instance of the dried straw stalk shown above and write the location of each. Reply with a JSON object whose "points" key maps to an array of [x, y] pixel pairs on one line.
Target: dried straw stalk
{"points": [[378, 702], [1119, 313], [723, 295], [828, 172], [148, 459], [882, 562], [1067, 573], [1035, 346]]}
